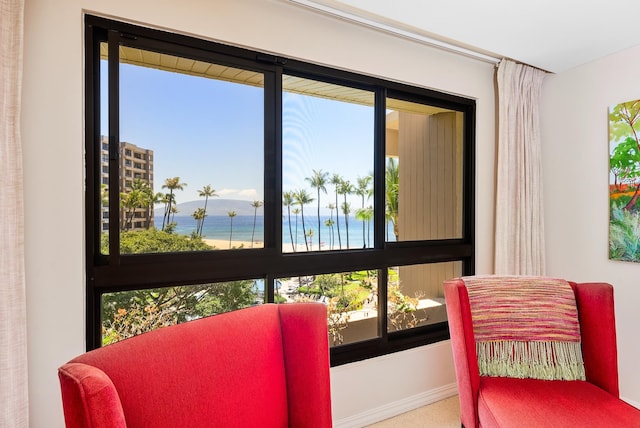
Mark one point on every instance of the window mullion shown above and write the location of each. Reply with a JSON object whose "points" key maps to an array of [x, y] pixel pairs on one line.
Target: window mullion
{"points": [[380, 204], [114, 145], [379, 169], [273, 159]]}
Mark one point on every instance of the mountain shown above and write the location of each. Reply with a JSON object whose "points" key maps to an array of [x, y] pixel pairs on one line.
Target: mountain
{"points": [[217, 206]]}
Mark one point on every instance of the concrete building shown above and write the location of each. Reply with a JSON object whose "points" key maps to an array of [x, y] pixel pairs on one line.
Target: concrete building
{"points": [[136, 163]]}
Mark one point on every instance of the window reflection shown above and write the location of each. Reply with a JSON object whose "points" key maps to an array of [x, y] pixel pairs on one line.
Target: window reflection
{"points": [[327, 166]]}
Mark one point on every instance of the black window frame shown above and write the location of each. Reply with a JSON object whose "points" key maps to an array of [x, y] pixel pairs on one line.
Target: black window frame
{"points": [[121, 273]]}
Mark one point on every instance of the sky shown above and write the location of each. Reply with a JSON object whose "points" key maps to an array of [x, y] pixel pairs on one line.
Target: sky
{"points": [[210, 132]]}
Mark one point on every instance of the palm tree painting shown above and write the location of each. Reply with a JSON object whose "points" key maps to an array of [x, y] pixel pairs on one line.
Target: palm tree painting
{"points": [[624, 181]]}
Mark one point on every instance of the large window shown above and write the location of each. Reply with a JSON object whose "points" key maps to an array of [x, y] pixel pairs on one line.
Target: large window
{"points": [[220, 178]]}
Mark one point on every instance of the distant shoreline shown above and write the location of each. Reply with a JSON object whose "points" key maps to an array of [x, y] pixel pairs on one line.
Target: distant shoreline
{"points": [[223, 244]]}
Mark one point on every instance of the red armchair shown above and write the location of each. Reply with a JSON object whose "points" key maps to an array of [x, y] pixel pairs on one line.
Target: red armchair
{"points": [[501, 401], [264, 366]]}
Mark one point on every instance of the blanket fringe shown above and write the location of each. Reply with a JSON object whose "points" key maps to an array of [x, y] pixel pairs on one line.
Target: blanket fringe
{"points": [[536, 360]]}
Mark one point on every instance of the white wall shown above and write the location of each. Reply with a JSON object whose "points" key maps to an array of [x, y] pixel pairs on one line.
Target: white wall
{"points": [[575, 160], [53, 162]]}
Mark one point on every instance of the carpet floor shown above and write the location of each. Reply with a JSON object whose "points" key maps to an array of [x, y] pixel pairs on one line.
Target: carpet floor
{"points": [[442, 414]]}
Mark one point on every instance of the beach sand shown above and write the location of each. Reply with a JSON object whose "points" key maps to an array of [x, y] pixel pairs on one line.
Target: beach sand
{"points": [[223, 244]]}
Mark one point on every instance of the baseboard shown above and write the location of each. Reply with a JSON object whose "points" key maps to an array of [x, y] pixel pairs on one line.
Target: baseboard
{"points": [[397, 407], [633, 403]]}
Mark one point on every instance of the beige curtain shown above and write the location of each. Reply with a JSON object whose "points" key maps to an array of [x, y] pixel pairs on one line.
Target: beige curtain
{"points": [[13, 328], [519, 206]]}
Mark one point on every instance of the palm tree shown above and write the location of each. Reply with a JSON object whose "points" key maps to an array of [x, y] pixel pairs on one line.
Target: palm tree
{"points": [[255, 205], [318, 181], [171, 184], [346, 210], [158, 198], [336, 180], [329, 223], [287, 201], [206, 193], [302, 198], [167, 199], [139, 196], [310, 235], [365, 215], [391, 195], [129, 201], [174, 211], [362, 190], [104, 195], [369, 218], [345, 189], [231, 215], [332, 207], [199, 215], [296, 211]]}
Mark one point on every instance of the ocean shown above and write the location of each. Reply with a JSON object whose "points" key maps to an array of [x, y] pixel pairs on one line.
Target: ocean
{"points": [[218, 227]]}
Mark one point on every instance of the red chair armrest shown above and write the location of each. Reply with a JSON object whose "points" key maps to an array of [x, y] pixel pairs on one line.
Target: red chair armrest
{"points": [[90, 398], [306, 357], [598, 331], [464, 350]]}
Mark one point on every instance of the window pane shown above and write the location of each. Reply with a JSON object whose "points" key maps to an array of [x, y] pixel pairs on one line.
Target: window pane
{"points": [[327, 166], [191, 153], [423, 172], [351, 299], [416, 294], [129, 313]]}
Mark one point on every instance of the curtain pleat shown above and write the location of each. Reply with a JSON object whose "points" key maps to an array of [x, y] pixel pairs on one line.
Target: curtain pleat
{"points": [[519, 236], [14, 408]]}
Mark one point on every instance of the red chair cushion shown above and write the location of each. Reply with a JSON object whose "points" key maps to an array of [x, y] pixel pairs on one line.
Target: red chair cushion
{"points": [[523, 403]]}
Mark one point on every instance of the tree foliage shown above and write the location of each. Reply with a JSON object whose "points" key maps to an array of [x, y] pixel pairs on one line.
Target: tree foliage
{"points": [[624, 121], [625, 161], [154, 241], [127, 313], [624, 235], [169, 199], [139, 196], [392, 191]]}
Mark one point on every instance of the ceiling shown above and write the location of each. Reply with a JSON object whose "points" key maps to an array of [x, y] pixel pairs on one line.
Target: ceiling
{"points": [[554, 35], [183, 65]]}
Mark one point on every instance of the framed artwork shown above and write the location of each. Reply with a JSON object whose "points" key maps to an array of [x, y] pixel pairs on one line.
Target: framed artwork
{"points": [[624, 181]]}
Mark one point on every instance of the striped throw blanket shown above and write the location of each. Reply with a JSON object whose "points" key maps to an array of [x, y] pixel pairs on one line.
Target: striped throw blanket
{"points": [[525, 327]]}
